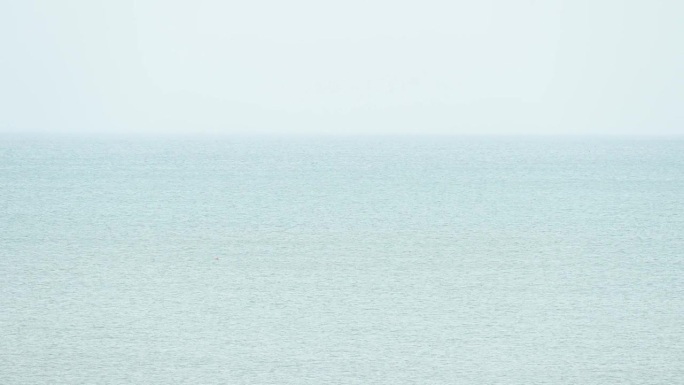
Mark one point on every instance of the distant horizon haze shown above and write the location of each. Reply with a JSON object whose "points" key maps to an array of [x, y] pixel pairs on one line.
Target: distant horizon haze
{"points": [[376, 67]]}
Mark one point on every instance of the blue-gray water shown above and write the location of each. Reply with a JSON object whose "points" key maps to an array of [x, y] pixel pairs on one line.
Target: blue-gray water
{"points": [[342, 260]]}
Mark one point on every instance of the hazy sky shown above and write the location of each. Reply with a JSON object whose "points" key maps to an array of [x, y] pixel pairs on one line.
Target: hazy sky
{"points": [[354, 66]]}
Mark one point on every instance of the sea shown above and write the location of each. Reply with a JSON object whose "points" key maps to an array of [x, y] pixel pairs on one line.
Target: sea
{"points": [[341, 260]]}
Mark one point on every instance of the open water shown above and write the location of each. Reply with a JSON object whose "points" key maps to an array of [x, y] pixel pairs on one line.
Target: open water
{"points": [[349, 260]]}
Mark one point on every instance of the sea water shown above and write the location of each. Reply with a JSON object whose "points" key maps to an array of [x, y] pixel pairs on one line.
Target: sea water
{"points": [[341, 260]]}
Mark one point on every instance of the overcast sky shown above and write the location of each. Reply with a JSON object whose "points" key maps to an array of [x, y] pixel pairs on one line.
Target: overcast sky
{"points": [[353, 66]]}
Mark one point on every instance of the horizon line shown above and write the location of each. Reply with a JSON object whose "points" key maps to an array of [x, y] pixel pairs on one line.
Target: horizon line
{"points": [[128, 134]]}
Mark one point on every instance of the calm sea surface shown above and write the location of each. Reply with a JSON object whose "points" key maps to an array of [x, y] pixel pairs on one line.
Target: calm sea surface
{"points": [[342, 261]]}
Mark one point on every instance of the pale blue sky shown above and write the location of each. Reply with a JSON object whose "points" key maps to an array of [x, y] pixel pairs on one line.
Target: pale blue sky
{"points": [[371, 66]]}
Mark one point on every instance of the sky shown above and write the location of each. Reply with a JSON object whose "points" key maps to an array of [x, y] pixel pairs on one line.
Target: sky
{"points": [[345, 67]]}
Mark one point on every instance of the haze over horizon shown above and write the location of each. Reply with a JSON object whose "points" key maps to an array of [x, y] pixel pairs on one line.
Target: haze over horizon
{"points": [[374, 67]]}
